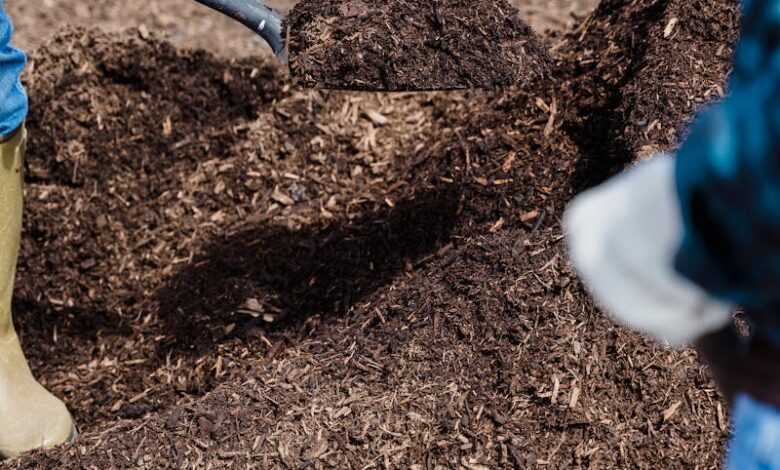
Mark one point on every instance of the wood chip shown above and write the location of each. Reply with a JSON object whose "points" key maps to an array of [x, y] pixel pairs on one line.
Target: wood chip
{"points": [[376, 117]]}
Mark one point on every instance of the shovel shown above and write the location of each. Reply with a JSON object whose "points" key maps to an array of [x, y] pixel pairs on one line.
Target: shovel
{"points": [[397, 45], [256, 16]]}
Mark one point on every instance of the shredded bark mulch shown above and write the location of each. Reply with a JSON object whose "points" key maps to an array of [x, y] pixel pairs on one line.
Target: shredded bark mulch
{"points": [[221, 270], [639, 70]]}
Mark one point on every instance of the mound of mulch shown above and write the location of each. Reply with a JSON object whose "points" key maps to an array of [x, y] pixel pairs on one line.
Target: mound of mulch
{"points": [[413, 45], [143, 98], [331, 280], [687, 58], [140, 155], [635, 72]]}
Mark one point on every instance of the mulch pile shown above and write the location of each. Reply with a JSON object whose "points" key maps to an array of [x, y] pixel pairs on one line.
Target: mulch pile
{"points": [[637, 71], [220, 270], [394, 45]]}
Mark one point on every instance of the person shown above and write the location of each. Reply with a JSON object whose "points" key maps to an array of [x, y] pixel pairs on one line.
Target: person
{"points": [[673, 246], [30, 416]]}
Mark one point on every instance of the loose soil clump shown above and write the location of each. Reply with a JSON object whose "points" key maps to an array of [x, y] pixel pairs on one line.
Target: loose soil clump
{"points": [[413, 45]]}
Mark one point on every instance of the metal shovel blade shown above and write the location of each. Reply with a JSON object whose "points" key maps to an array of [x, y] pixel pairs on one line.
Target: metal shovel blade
{"points": [[256, 16]]}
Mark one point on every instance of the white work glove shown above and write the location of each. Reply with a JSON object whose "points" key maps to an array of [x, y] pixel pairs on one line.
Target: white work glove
{"points": [[623, 237]]}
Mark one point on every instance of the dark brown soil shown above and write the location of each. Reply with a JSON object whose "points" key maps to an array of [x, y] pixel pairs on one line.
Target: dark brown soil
{"points": [[220, 270], [413, 45]]}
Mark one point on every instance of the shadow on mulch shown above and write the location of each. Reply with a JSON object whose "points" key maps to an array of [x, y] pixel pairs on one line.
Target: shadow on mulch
{"points": [[296, 276], [600, 130], [292, 276], [44, 327]]}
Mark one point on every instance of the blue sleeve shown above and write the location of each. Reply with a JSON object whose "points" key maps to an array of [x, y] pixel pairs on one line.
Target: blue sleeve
{"points": [[754, 443], [13, 98], [728, 176]]}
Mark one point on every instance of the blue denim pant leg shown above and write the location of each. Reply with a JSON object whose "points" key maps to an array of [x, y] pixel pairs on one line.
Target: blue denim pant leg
{"points": [[755, 444], [13, 98]]}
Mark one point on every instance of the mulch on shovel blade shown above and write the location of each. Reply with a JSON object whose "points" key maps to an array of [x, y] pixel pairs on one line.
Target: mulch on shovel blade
{"points": [[413, 45]]}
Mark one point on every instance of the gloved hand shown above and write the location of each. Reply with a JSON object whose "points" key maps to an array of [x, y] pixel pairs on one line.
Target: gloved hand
{"points": [[622, 237]]}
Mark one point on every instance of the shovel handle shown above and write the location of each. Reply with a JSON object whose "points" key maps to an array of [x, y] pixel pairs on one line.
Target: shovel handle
{"points": [[256, 16]]}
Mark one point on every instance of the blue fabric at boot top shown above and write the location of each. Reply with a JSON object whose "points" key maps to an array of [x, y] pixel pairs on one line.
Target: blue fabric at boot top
{"points": [[13, 98]]}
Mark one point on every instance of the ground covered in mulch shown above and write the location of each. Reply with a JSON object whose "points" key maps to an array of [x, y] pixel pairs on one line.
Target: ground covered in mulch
{"points": [[220, 270], [401, 45], [640, 69]]}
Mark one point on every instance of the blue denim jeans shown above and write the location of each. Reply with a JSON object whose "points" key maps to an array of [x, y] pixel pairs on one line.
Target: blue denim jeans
{"points": [[13, 98], [755, 444]]}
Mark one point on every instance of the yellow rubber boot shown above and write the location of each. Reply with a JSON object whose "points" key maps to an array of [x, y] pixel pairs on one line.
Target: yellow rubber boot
{"points": [[30, 416]]}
